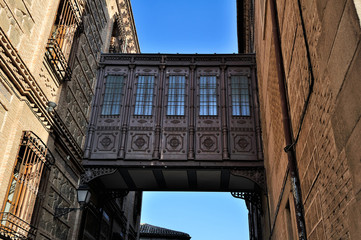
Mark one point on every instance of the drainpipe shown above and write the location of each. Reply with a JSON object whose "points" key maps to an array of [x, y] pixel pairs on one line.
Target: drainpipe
{"points": [[292, 164]]}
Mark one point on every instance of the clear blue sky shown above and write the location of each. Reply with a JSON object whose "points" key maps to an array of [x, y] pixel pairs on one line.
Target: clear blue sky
{"points": [[191, 26], [204, 216], [186, 26]]}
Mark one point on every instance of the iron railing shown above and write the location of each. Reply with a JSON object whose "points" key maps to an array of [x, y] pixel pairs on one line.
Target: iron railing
{"points": [[253, 197], [12, 227], [57, 60]]}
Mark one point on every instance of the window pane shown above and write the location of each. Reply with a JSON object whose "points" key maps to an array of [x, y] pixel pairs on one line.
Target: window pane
{"points": [[112, 95], [208, 95], [176, 95], [144, 95], [240, 96]]}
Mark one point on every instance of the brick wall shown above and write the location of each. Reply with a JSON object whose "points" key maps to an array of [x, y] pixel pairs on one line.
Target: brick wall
{"points": [[327, 153], [27, 83]]}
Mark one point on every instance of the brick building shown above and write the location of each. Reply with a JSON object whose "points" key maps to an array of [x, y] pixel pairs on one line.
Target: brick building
{"points": [[308, 62], [48, 64]]}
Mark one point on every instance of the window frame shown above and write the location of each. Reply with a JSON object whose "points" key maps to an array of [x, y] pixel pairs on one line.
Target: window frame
{"points": [[178, 106], [242, 101], [30, 172], [113, 103], [142, 105], [211, 105]]}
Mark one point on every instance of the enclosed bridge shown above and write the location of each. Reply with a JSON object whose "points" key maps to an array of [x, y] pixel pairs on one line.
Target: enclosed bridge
{"points": [[166, 122]]}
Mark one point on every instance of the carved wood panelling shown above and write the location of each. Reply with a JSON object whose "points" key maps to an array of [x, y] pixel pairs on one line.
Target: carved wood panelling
{"points": [[174, 142], [140, 137], [192, 136], [242, 137], [106, 144], [208, 128]]}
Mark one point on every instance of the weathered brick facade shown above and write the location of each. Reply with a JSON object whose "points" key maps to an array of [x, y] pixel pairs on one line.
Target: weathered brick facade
{"points": [[28, 82], [327, 152]]}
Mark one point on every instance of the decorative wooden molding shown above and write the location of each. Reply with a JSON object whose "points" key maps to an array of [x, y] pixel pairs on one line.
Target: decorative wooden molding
{"points": [[161, 137], [256, 175], [92, 173]]}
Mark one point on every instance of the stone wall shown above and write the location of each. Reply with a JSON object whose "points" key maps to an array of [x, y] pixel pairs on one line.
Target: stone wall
{"points": [[327, 153], [60, 192], [27, 84]]}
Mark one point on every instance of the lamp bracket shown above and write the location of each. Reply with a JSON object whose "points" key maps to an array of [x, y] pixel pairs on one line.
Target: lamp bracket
{"points": [[63, 211]]}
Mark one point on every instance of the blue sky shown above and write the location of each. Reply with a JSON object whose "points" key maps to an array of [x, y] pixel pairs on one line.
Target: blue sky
{"points": [[186, 26], [203, 215], [191, 26]]}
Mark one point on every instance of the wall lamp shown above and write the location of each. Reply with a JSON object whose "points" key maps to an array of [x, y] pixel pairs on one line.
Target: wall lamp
{"points": [[83, 195], [50, 106]]}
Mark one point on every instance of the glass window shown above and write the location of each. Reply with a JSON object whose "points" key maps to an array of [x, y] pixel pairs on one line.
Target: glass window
{"points": [[240, 96], [176, 95], [113, 95], [64, 28], [208, 96], [144, 95], [24, 187]]}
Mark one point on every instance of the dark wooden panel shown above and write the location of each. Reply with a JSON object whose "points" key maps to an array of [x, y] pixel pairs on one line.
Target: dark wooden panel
{"points": [[141, 131], [208, 128], [186, 140], [242, 128], [174, 144]]}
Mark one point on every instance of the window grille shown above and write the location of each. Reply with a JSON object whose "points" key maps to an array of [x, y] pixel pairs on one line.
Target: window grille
{"points": [[208, 96], [64, 27], [24, 187], [113, 95], [61, 48], [176, 95], [240, 96], [144, 95]]}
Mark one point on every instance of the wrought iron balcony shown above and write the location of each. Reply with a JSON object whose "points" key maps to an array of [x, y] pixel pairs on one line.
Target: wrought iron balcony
{"points": [[57, 60], [12, 227], [175, 121]]}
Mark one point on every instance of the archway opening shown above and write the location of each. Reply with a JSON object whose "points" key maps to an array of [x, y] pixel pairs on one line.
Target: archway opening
{"points": [[202, 215]]}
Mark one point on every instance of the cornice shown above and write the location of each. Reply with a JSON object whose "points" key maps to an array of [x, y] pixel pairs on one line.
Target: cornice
{"points": [[134, 29], [175, 59], [127, 18], [14, 67]]}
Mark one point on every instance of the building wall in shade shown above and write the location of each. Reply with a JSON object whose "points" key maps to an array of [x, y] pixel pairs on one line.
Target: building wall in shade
{"points": [[33, 72], [321, 51]]}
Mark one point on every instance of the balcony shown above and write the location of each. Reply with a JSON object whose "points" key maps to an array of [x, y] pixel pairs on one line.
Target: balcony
{"points": [[57, 60], [12, 227], [175, 122]]}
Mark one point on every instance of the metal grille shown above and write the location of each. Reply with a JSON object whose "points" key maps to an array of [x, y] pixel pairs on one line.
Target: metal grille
{"points": [[57, 60], [208, 96], [60, 43], [65, 27], [144, 95], [240, 96], [253, 197], [24, 185], [113, 95], [176, 95], [12, 227]]}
